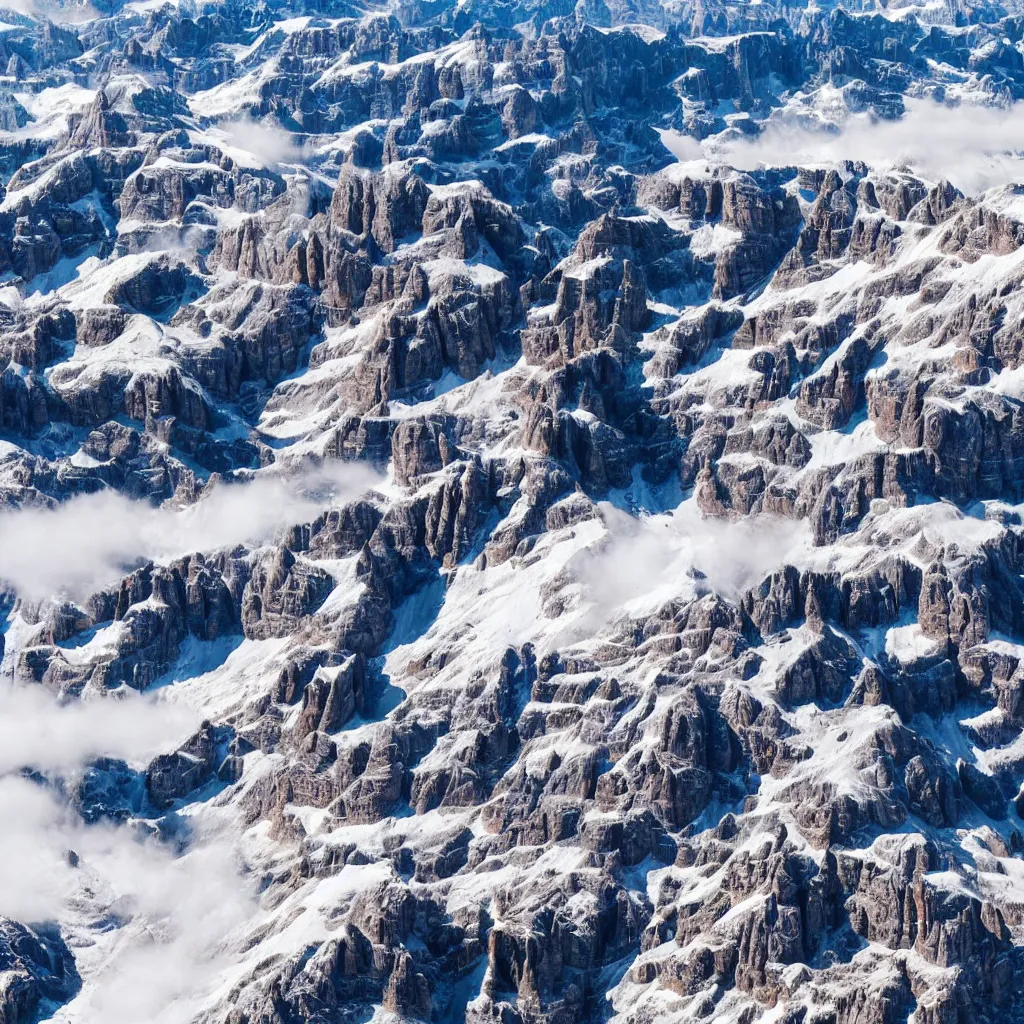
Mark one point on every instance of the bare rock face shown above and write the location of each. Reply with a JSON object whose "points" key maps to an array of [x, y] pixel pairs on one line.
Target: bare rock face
{"points": [[932, 791], [38, 971], [982, 790], [281, 592], [384, 207], [765, 222], [172, 776], [332, 697], [416, 448], [155, 289]]}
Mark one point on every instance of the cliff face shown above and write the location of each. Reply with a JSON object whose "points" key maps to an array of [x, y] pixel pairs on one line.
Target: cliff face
{"points": [[511, 512]]}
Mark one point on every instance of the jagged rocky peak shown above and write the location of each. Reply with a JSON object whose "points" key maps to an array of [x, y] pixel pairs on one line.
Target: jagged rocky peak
{"points": [[511, 511]]}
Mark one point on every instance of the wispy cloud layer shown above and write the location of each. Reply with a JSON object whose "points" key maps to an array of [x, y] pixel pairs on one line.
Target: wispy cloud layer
{"points": [[70, 13], [38, 732], [267, 141], [156, 919], [648, 560], [91, 540], [975, 147], [169, 915]]}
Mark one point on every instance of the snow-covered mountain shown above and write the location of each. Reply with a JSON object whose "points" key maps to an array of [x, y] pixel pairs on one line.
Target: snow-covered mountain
{"points": [[512, 512]]}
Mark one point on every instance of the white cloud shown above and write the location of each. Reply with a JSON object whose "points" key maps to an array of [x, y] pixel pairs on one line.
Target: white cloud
{"points": [[173, 913], [68, 12], [266, 140], [182, 242], [153, 927], [975, 147], [650, 560], [683, 147], [36, 731], [56, 740], [168, 914], [35, 881], [92, 540], [184, 910]]}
